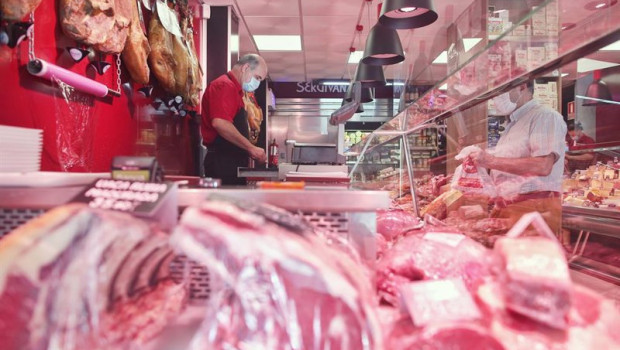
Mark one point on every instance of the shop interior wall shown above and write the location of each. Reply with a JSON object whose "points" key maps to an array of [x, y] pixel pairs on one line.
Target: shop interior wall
{"points": [[30, 102], [112, 126]]}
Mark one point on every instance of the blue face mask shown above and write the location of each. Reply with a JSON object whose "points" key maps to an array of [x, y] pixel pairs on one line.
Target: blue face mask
{"points": [[252, 85]]}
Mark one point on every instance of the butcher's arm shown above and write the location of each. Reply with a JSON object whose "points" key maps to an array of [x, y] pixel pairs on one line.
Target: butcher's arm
{"points": [[584, 156], [228, 131], [529, 166]]}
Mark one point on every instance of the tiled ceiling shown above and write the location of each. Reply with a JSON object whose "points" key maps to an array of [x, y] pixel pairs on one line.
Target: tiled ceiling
{"points": [[327, 29]]}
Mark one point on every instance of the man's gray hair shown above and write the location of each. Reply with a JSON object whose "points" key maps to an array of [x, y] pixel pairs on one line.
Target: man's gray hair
{"points": [[251, 59]]}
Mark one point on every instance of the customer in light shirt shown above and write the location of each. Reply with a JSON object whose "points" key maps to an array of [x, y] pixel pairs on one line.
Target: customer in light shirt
{"points": [[528, 161]]}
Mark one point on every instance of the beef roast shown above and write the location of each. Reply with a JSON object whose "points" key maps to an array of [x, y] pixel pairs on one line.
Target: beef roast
{"points": [[61, 273], [285, 289], [16, 10], [95, 22], [137, 49]]}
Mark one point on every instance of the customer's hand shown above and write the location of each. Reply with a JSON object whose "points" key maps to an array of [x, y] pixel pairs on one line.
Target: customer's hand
{"points": [[258, 154], [481, 158]]}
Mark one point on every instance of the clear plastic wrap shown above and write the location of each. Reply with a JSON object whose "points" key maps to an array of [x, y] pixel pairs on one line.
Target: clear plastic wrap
{"points": [[70, 279], [74, 128], [284, 287]]}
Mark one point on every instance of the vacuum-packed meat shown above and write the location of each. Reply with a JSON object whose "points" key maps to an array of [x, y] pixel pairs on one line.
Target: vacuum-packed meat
{"points": [[535, 279], [430, 255], [285, 289]]}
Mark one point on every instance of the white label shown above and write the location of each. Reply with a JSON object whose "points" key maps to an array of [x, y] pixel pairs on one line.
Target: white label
{"points": [[168, 19], [451, 239], [439, 301]]}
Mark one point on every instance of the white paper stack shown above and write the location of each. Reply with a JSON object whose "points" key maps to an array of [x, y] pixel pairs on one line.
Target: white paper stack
{"points": [[20, 149]]}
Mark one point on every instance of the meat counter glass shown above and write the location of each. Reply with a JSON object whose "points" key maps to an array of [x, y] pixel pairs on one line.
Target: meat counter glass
{"points": [[572, 64]]}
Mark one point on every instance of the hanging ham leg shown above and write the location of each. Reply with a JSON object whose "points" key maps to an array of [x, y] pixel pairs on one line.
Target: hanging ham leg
{"points": [[16, 10], [137, 47], [96, 23]]}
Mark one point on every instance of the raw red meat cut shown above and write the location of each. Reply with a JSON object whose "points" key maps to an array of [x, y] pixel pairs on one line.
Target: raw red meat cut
{"points": [[285, 289], [535, 279], [392, 223], [62, 283], [432, 255]]}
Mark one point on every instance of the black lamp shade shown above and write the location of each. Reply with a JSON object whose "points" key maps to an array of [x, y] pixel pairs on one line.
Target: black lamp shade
{"points": [[407, 14], [597, 91], [360, 107], [367, 95], [369, 75], [383, 47]]}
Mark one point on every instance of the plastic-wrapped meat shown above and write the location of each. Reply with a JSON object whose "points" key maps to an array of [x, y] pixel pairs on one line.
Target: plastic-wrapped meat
{"points": [[535, 279], [391, 223], [61, 273], [592, 323], [382, 246], [433, 255], [285, 289]]}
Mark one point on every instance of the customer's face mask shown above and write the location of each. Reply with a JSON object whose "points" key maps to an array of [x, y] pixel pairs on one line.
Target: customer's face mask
{"points": [[503, 104]]}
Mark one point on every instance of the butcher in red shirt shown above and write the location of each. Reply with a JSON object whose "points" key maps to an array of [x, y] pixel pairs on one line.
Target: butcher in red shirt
{"points": [[577, 140], [225, 128]]}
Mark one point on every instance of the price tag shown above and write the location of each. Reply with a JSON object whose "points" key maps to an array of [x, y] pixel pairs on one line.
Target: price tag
{"points": [[439, 301], [144, 199]]}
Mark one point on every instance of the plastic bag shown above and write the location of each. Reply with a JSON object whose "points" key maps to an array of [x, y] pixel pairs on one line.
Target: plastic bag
{"points": [[471, 179]]}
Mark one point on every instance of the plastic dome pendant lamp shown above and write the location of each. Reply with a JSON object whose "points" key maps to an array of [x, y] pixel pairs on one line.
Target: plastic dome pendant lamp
{"points": [[383, 47], [598, 92], [369, 75], [367, 95], [407, 14]]}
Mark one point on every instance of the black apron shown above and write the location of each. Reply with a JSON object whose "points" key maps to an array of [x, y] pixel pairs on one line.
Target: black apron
{"points": [[223, 157]]}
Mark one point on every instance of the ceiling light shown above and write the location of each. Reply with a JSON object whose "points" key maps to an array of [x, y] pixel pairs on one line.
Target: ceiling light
{"points": [[368, 95], [612, 47], [396, 83], [383, 46], [587, 65], [234, 43], [568, 26], [407, 14], [356, 56], [565, 74], [444, 87], [599, 5], [469, 43], [341, 83], [442, 58], [278, 42], [597, 100], [598, 91], [499, 11], [369, 75]]}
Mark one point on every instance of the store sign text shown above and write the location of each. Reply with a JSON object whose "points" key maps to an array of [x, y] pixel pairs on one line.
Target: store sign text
{"points": [[310, 87]]}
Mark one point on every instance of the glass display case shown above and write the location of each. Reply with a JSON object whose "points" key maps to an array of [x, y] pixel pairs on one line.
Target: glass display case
{"points": [[565, 51]]}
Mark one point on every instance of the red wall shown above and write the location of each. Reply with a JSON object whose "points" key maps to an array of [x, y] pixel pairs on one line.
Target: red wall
{"points": [[28, 101]]}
